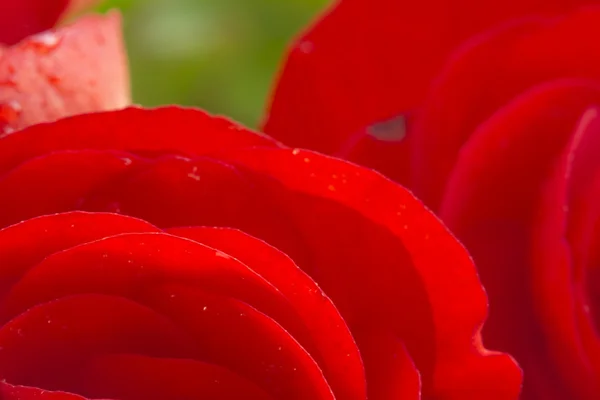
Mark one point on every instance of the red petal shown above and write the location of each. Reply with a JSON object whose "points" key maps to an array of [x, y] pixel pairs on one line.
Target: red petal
{"points": [[563, 245], [12, 392], [365, 62], [49, 344], [491, 203], [397, 378], [486, 75], [233, 334], [26, 244], [76, 69], [371, 246], [19, 19], [62, 179], [335, 350], [369, 236], [176, 276], [135, 377], [167, 130]]}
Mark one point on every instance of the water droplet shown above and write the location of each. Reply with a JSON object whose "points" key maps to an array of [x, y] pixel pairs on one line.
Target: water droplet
{"points": [[194, 174], [306, 47], [296, 152], [391, 130], [127, 161], [10, 112], [306, 160], [204, 308], [331, 188], [44, 42]]}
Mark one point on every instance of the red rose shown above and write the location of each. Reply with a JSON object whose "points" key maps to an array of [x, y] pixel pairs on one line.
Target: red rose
{"points": [[354, 82], [505, 147], [49, 74], [128, 310], [514, 174]]}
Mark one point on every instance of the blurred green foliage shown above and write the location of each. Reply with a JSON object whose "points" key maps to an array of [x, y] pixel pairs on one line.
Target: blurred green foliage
{"points": [[221, 55]]}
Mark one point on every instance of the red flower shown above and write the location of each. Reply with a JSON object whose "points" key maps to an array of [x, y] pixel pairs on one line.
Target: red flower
{"points": [[49, 74], [352, 84], [505, 148], [514, 170], [108, 306]]}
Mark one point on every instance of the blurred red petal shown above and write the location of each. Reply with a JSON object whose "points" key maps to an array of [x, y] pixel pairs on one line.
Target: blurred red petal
{"points": [[485, 76], [19, 19], [366, 62], [491, 203], [565, 253], [76, 69]]}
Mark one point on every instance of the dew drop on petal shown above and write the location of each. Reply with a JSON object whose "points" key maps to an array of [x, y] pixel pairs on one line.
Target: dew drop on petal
{"points": [[9, 114], [44, 42], [194, 174]]}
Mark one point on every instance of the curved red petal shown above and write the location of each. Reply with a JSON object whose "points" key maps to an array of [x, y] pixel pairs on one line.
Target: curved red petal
{"points": [[491, 202], [62, 179], [166, 130], [562, 240], [264, 352], [48, 344], [366, 62], [26, 244], [136, 377], [72, 70], [15, 392], [380, 216], [367, 242], [181, 278], [487, 75], [335, 349]]}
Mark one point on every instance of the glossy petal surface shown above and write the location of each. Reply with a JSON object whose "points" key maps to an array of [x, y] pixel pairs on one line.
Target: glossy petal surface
{"points": [[396, 294]]}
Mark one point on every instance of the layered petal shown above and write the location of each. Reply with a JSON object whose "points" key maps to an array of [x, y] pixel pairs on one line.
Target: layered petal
{"points": [[487, 75], [420, 306], [366, 63], [506, 200]]}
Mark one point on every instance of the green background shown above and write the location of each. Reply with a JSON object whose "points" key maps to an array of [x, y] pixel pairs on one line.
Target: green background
{"points": [[221, 55]]}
